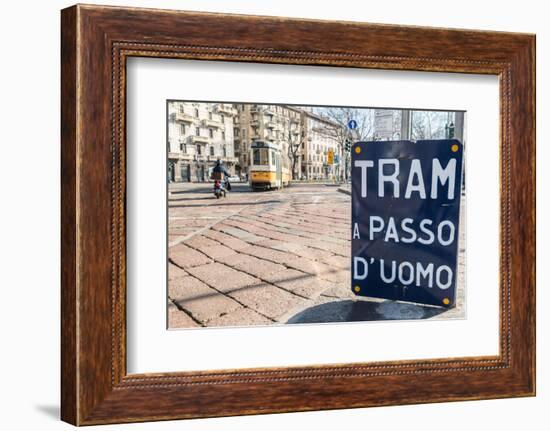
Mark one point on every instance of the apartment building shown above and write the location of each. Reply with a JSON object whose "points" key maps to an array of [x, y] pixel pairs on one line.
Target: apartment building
{"points": [[278, 124], [320, 136], [198, 135]]}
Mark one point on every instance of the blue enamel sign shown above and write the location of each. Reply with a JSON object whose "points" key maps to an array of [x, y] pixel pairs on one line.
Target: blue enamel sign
{"points": [[352, 124], [405, 220]]}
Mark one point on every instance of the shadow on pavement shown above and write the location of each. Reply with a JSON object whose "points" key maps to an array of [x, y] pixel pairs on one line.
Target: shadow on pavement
{"points": [[360, 311], [218, 202], [207, 188]]}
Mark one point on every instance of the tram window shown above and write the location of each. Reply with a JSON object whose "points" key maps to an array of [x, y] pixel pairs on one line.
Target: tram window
{"points": [[260, 156]]}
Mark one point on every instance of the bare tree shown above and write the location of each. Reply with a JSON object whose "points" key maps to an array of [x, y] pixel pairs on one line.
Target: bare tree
{"points": [[294, 143], [428, 124], [341, 116]]}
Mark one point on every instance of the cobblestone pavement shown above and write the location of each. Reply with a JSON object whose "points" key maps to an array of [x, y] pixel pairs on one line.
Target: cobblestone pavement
{"points": [[258, 258]]}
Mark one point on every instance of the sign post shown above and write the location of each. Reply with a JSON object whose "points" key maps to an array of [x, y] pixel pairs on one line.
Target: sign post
{"points": [[405, 220]]}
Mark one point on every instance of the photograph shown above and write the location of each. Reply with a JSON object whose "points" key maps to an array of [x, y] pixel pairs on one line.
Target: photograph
{"points": [[299, 214], [275, 215]]}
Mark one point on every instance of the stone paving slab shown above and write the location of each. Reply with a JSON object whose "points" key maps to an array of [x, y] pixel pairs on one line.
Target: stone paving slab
{"points": [[218, 251], [175, 272], [224, 278], [238, 233], [299, 283], [252, 265], [269, 300], [200, 241], [201, 301], [268, 254], [178, 319], [186, 257], [227, 240], [240, 317]]}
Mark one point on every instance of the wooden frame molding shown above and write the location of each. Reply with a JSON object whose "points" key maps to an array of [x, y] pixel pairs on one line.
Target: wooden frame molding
{"points": [[95, 43]]}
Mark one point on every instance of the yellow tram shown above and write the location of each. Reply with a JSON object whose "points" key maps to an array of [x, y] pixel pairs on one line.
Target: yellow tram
{"points": [[269, 168]]}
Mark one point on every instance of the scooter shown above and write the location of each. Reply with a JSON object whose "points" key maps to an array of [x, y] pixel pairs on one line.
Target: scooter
{"points": [[219, 191]]}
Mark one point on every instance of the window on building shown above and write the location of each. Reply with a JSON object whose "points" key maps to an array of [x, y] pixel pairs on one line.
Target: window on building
{"points": [[183, 149], [236, 132], [223, 136], [199, 150], [182, 129], [224, 151], [197, 112], [244, 133], [210, 133], [198, 131], [222, 119], [182, 109], [211, 151], [210, 115]]}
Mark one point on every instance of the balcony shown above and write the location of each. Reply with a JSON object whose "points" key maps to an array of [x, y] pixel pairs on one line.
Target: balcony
{"points": [[271, 124], [257, 109], [211, 123], [184, 118], [226, 110], [199, 139]]}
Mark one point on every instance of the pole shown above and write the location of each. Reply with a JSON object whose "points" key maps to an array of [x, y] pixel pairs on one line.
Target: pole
{"points": [[405, 124], [459, 126]]}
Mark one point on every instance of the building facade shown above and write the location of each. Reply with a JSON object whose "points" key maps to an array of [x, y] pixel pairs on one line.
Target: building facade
{"points": [[198, 135], [320, 137], [278, 124]]}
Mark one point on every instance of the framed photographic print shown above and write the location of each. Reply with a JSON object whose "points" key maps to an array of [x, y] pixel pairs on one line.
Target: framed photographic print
{"points": [[263, 215]]}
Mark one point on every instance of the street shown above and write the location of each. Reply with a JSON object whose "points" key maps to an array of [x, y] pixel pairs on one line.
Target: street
{"points": [[275, 257]]}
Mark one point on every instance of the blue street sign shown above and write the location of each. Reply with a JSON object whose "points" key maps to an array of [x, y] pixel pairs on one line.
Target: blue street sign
{"points": [[405, 220], [352, 124]]}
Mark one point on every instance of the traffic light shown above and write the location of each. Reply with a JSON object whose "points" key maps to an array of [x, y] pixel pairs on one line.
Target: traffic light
{"points": [[450, 130], [347, 145]]}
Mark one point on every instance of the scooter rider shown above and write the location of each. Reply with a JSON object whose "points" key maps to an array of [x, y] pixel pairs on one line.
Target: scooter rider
{"points": [[225, 173]]}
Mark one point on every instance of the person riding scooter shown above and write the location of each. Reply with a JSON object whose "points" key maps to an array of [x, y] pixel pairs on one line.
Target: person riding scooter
{"points": [[220, 173]]}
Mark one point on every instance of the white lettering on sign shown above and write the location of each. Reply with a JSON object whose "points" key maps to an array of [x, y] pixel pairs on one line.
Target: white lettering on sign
{"points": [[359, 261], [444, 232], [443, 176], [406, 273], [364, 165], [415, 175], [388, 178], [356, 231], [449, 277], [388, 173]]}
